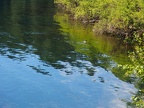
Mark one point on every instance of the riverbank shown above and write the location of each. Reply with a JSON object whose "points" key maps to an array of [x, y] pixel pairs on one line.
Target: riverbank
{"points": [[122, 18]]}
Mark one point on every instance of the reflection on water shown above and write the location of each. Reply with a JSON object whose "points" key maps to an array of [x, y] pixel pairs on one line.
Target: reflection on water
{"points": [[47, 61]]}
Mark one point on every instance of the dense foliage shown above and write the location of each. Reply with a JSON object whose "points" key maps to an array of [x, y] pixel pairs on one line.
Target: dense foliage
{"points": [[121, 17], [136, 68]]}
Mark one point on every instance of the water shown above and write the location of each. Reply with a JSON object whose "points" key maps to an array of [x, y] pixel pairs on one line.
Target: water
{"points": [[48, 61]]}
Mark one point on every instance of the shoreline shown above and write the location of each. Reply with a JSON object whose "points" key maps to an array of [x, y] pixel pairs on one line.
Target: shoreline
{"points": [[100, 26]]}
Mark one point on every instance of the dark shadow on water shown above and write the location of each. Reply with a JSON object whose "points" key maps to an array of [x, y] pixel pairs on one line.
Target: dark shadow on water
{"points": [[28, 27]]}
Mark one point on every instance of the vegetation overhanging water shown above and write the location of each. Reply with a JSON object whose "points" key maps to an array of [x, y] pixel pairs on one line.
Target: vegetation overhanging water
{"points": [[123, 18]]}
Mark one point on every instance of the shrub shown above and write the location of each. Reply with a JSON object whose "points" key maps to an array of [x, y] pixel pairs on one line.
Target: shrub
{"points": [[116, 16]]}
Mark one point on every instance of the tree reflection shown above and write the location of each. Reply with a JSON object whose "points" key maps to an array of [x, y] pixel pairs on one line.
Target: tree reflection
{"points": [[28, 27]]}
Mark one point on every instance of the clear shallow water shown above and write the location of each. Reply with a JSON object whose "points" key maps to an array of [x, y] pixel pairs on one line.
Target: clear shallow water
{"points": [[47, 61]]}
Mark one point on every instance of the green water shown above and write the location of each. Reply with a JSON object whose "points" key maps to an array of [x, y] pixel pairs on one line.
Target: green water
{"points": [[49, 61]]}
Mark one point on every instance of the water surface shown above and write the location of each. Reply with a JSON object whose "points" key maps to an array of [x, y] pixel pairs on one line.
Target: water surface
{"points": [[48, 61]]}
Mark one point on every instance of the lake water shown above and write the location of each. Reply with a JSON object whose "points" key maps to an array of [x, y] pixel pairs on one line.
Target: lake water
{"points": [[49, 61]]}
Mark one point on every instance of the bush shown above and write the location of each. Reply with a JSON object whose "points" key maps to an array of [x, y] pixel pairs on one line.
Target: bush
{"points": [[136, 68], [122, 17]]}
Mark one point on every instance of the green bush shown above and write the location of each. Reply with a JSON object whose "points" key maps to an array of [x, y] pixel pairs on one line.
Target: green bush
{"points": [[115, 16], [136, 68], [137, 58]]}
